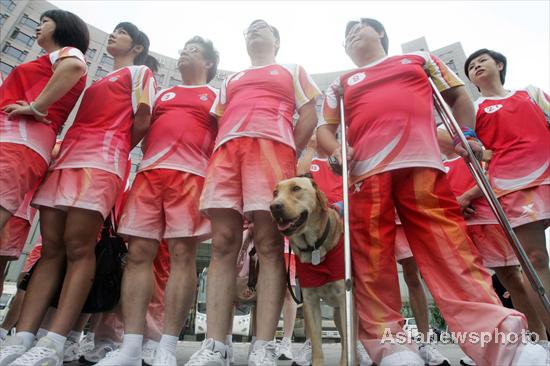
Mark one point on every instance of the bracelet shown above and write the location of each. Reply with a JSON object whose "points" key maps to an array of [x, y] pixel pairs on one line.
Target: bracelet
{"points": [[36, 111], [468, 133]]}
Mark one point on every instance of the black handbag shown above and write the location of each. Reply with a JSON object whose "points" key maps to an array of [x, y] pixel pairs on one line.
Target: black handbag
{"points": [[110, 255]]}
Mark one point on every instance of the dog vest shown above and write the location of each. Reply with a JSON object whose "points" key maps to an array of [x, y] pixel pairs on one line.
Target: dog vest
{"points": [[332, 268]]}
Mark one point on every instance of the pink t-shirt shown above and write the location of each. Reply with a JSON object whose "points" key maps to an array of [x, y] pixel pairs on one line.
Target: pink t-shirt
{"points": [[100, 135], [182, 133], [516, 129], [388, 110], [260, 102], [26, 82]]}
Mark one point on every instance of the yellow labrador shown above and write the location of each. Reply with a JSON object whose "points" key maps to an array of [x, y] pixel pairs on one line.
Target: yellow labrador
{"points": [[314, 230]]}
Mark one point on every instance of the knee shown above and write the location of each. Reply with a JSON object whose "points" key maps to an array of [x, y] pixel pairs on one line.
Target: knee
{"points": [[77, 250], [141, 255], [538, 258], [225, 244], [412, 279], [183, 259], [269, 246], [512, 280]]}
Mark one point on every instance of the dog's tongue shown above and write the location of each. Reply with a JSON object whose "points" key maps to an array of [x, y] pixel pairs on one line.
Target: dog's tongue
{"points": [[283, 227]]}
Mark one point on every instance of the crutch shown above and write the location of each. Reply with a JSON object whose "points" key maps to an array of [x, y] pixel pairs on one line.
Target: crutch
{"points": [[454, 129], [350, 324]]}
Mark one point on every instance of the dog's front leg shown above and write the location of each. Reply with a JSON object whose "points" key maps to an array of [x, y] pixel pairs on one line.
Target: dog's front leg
{"points": [[312, 312], [339, 317]]}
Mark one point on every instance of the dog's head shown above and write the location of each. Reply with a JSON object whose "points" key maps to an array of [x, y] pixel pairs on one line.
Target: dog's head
{"points": [[295, 203]]}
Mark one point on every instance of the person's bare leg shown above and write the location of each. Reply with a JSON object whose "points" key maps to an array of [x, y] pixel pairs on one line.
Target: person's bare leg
{"points": [[533, 240], [81, 322], [47, 275], [227, 236], [289, 315], [5, 215], [137, 283], [81, 230], [3, 262], [14, 311], [270, 287], [417, 296], [512, 279], [181, 285]]}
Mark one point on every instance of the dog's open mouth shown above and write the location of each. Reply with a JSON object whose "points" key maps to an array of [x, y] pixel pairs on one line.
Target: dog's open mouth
{"points": [[288, 226]]}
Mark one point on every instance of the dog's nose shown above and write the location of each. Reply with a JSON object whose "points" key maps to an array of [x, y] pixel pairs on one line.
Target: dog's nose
{"points": [[276, 207]]}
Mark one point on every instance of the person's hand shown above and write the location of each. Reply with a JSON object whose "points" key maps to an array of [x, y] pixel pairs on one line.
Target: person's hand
{"points": [[312, 143], [465, 203], [474, 145], [337, 154], [21, 108]]}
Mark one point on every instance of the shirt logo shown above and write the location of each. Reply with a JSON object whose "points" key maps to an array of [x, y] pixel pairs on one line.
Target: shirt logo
{"points": [[274, 72], [114, 78], [356, 78], [203, 97], [314, 168], [492, 108], [168, 96], [405, 61]]}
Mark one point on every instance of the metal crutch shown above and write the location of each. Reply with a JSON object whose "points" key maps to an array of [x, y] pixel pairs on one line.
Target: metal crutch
{"points": [[455, 131], [350, 324]]}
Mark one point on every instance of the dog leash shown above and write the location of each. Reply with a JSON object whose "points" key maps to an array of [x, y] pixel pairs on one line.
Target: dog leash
{"points": [[288, 284]]}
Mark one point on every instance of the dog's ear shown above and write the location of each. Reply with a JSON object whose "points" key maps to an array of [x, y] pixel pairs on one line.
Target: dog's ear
{"points": [[320, 196]]}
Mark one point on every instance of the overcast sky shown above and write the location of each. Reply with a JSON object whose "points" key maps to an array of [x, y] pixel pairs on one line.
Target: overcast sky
{"points": [[312, 31]]}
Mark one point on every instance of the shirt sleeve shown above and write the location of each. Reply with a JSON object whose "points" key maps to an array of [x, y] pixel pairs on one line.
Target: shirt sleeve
{"points": [[330, 110], [144, 87], [305, 88], [541, 99], [218, 107], [443, 77], [67, 52]]}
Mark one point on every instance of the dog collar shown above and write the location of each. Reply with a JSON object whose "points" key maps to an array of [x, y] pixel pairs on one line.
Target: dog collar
{"points": [[319, 241]]}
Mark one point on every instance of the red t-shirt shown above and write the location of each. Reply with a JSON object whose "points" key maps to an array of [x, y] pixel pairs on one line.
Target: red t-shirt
{"points": [[328, 182], [332, 268]]}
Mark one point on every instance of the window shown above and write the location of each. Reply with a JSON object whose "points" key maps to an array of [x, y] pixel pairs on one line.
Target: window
{"points": [[100, 73], [90, 54], [14, 52], [107, 60], [174, 81], [8, 4], [159, 78], [31, 23], [22, 37], [3, 18], [5, 68]]}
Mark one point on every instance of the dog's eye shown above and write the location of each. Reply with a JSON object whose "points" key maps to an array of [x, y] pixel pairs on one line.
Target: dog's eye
{"points": [[296, 188], [275, 193]]}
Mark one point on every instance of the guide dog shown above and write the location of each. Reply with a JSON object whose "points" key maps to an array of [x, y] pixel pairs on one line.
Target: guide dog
{"points": [[302, 214]]}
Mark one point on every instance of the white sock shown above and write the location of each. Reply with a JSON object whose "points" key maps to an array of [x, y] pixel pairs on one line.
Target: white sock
{"points": [[229, 339], [74, 336], [131, 345], [3, 333], [27, 338], [169, 343], [58, 339], [41, 333], [259, 343]]}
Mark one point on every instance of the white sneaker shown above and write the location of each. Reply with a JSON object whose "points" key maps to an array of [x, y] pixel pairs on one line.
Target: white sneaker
{"points": [[101, 348], [362, 356], [230, 354], [164, 358], [71, 351], [431, 356], [467, 361], [207, 356], [546, 346], [11, 349], [530, 354], [148, 351], [117, 358], [263, 355], [45, 353], [86, 344], [303, 357], [285, 349], [402, 358]]}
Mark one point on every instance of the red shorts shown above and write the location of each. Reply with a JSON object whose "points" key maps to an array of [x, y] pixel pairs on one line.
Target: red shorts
{"points": [[243, 172], [528, 205], [493, 246], [21, 169], [86, 188], [164, 203], [332, 268], [13, 237], [32, 258], [402, 248]]}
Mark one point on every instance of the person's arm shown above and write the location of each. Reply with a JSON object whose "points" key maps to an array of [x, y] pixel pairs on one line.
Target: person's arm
{"points": [[144, 89], [65, 76], [142, 121], [304, 162], [305, 126]]}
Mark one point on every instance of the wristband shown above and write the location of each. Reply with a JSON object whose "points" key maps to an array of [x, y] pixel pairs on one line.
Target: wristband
{"points": [[36, 111], [468, 133], [339, 206]]}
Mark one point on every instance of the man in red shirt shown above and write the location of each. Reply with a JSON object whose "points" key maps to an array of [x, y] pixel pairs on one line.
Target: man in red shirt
{"points": [[396, 165]]}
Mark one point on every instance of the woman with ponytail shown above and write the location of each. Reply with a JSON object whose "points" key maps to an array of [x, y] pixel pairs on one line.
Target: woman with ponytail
{"points": [[80, 191]]}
